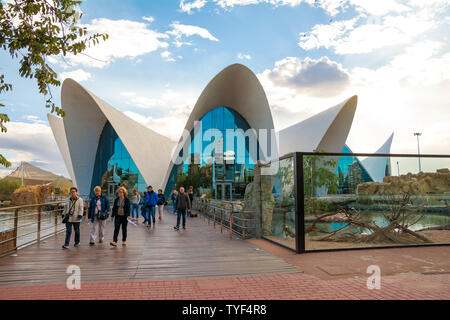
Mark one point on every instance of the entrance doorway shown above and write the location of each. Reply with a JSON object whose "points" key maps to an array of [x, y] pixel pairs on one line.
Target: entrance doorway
{"points": [[224, 191], [112, 187]]}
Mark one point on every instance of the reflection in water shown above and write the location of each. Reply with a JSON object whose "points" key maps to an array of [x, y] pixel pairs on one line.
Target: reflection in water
{"points": [[428, 220]]}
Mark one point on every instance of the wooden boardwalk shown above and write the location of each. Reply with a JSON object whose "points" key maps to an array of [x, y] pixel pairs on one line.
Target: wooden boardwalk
{"points": [[158, 253]]}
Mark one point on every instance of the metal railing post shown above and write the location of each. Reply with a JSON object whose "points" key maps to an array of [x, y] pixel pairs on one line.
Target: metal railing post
{"points": [[214, 217], [16, 224], [231, 223], [56, 220], [39, 224], [243, 225]]}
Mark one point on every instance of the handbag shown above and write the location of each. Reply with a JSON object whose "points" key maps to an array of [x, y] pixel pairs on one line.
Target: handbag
{"points": [[66, 216], [102, 215]]}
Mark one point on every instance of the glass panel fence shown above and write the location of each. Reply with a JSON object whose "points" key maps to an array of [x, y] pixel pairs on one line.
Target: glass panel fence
{"points": [[352, 201], [278, 202]]}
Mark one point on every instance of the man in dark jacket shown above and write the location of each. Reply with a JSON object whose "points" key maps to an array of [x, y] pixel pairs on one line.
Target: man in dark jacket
{"points": [[150, 201], [183, 204]]}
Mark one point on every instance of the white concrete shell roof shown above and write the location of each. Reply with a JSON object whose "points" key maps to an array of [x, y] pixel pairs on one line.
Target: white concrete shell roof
{"points": [[78, 133], [376, 166], [237, 88], [327, 130]]}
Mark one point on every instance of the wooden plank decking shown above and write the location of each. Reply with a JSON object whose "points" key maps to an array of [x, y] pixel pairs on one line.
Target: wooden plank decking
{"points": [[158, 253]]}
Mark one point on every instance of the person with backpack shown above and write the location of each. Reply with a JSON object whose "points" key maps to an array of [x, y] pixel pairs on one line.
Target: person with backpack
{"points": [[99, 210], [183, 205], [173, 197], [120, 214], [73, 208], [160, 204], [151, 199]]}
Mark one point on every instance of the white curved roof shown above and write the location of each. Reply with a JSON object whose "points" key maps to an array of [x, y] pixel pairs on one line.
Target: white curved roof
{"points": [[86, 116], [327, 130], [237, 88], [376, 166]]}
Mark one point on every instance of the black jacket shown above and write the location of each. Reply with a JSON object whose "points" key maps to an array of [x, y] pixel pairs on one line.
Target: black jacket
{"points": [[161, 199], [126, 207], [183, 202]]}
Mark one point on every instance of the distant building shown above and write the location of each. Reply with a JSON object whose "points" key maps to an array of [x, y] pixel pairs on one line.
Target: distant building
{"points": [[102, 146]]}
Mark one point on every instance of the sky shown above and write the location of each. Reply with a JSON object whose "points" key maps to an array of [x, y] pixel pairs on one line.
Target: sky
{"points": [[309, 55]]}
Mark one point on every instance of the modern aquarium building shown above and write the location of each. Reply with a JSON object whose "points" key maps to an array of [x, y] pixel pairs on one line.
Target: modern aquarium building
{"points": [[229, 129]]}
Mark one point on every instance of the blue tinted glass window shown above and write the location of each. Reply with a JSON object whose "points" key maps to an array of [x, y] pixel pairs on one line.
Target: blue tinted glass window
{"points": [[114, 166]]}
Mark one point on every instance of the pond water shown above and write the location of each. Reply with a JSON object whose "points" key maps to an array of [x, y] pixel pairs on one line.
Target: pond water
{"points": [[27, 226], [428, 220]]}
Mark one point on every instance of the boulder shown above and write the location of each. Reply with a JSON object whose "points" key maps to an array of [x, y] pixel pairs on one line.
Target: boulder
{"points": [[416, 184], [30, 195]]}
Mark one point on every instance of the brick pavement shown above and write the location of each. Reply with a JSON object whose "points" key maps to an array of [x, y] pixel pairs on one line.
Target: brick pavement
{"points": [[293, 286]]}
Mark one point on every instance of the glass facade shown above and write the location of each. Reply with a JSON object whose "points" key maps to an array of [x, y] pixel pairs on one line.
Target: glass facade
{"points": [[216, 165], [351, 173], [114, 166]]}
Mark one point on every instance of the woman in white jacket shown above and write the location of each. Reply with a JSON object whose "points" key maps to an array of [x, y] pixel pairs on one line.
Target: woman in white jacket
{"points": [[74, 207]]}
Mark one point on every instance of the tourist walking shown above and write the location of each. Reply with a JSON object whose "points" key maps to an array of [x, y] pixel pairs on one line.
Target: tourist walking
{"points": [[160, 204], [99, 210], [143, 208], [120, 214], [151, 199], [191, 197], [173, 197], [135, 199], [74, 209], [183, 205]]}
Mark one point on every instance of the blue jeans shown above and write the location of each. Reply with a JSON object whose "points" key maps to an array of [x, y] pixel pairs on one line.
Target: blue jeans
{"points": [[150, 215], [173, 207], [76, 227], [134, 210], [144, 213], [181, 213]]}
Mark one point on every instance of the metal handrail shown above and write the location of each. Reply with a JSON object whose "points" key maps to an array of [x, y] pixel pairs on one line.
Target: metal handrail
{"points": [[219, 214], [32, 205], [43, 216]]}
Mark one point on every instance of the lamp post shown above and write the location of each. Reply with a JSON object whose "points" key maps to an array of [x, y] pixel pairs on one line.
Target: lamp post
{"points": [[418, 134], [398, 169]]}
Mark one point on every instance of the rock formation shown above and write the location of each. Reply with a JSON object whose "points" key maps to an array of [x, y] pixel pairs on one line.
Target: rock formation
{"points": [[30, 195], [416, 184]]}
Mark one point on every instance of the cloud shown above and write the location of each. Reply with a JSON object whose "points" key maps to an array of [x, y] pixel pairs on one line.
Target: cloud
{"points": [[375, 27], [315, 78], [244, 56], [127, 39], [189, 6], [148, 19], [31, 142], [167, 55], [78, 75], [332, 7], [182, 30]]}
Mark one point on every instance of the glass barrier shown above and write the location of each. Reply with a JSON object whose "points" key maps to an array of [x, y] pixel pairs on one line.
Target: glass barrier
{"points": [[375, 201], [278, 202]]}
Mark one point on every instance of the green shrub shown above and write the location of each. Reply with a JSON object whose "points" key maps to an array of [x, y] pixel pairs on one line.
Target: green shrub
{"points": [[8, 186]]}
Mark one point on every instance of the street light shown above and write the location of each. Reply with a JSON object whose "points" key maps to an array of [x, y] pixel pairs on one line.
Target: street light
{"points": [[418, 134], [398, 169]]}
